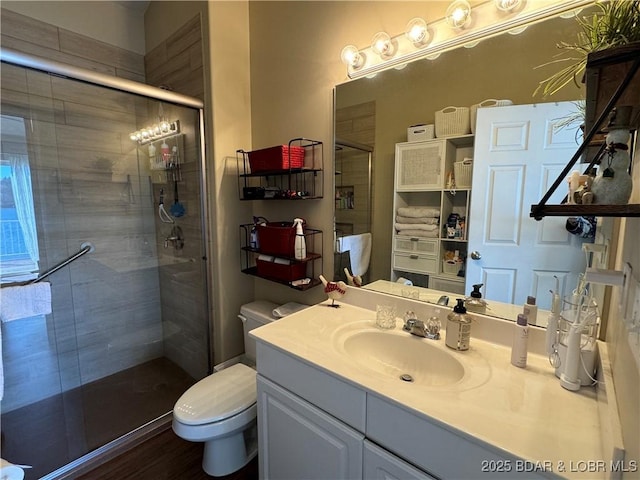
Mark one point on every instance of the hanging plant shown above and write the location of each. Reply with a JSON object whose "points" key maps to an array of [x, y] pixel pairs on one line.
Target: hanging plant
{"points": [[617, 22]]}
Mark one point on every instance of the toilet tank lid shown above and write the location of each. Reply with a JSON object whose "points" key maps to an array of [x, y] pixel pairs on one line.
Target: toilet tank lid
{"points": [[218, 396], [260, 311]]}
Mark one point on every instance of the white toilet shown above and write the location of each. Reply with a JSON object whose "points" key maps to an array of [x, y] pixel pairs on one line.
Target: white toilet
{"points": [[220, 410]]}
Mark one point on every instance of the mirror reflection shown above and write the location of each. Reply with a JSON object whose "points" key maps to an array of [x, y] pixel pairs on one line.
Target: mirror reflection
{"points": [[377, 112]]}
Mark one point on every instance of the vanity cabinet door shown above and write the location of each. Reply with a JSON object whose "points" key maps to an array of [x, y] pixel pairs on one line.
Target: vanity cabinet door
{"points": [[380, 464], [298, 440]]}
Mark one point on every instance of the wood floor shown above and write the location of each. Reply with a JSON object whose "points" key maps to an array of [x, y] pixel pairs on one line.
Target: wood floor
{"points": [[53, 432], [164, 457]]}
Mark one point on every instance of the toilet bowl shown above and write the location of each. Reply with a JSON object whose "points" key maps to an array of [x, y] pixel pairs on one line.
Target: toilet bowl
{"points": [[220, 410]]}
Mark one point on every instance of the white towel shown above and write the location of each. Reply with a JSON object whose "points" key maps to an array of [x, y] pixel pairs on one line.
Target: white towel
{"points": [[418, 212], [288, 309], [25, 301], [359, 247], [415, 226], [427, 220], [419, 233]]}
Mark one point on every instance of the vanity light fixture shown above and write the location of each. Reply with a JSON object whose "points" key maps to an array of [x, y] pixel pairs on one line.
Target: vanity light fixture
{"points": [[155, 132], [429, 40], [458, 14]]}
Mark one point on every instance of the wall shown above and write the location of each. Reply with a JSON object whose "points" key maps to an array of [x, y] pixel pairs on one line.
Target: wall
{"points": [[295, 48]]}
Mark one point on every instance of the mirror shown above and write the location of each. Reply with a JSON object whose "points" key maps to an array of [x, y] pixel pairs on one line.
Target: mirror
{"points": [[384, 106]]}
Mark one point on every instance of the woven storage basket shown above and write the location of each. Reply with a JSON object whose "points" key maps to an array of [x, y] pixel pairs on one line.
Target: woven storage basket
{"points": [[452, 121], [490, 102], [285, 273], [462, 172], [281, 157], [451, 268]]}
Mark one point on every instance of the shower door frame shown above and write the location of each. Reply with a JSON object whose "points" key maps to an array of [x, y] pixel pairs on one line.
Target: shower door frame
{"points": [[143, 432]]}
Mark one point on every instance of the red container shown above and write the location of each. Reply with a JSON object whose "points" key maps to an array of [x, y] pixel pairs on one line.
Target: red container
{"points": [[285, 273], [281, 157], [277, 238]]}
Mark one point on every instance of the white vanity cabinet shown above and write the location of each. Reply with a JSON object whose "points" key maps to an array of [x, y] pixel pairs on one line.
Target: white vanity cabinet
{"points": [[379, 464], [422, 179]]}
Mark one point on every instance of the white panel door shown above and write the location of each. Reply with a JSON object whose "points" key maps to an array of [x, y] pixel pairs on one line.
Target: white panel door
{"points": [[518, 154], [300, 441]]}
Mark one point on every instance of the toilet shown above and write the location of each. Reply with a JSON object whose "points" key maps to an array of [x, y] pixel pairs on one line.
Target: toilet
{"points": [[220, 410]]}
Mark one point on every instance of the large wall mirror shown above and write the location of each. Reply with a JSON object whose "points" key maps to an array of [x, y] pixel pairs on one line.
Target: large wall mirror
{"points": [[377, 111]]}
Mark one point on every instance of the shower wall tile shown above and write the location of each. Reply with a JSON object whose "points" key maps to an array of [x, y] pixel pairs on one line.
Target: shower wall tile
{"points": [[28, 29], [79, 45]]}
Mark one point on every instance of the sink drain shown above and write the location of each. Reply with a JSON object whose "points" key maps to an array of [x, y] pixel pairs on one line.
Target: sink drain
{"points": [[405, 377]]}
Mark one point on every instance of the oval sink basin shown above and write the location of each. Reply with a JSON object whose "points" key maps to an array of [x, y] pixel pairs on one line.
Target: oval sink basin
{"points": [[405, 357]]}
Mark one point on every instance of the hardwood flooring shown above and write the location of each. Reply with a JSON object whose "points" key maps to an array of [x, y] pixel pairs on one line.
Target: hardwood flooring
{"points": [[164, 457], [53, 432]]}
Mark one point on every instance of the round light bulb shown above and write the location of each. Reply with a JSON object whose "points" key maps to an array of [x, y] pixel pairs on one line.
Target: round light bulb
{"points": [[381, 44], [417, 32], [507, 5], [351, 57], [458, 14]]}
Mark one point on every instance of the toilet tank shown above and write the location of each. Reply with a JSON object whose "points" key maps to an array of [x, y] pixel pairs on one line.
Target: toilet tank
{"points": [[254, 315]]}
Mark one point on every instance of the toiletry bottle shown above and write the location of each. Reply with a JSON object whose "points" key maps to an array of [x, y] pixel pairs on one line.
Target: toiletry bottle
{"points": [[474, 302], [166, 154], [300, 245], [520, 337], [531, 310], [458, 327]]}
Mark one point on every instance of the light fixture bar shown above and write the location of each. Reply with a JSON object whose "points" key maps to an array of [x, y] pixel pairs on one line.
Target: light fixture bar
{"points": [[488, 21], [155, 132]]}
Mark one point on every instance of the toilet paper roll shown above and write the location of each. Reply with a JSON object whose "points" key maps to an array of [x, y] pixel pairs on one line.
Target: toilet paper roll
{"points": [[9, 471]]}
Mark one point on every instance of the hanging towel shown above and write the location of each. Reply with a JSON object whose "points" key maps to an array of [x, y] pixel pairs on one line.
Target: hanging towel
{"points": [[25, 301], [359, 252]]}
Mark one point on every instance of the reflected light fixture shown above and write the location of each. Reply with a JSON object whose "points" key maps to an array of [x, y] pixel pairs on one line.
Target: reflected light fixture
{"points": [[382, 45], [428, 40], [417, 32], [155, 132], [458, 14]]}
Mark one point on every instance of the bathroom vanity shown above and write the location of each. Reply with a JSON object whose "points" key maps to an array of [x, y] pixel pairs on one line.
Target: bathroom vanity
{"points": [[332, 403]]}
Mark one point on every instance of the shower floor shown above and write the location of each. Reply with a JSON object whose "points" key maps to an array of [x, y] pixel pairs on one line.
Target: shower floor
{"points": [[53, 432]]}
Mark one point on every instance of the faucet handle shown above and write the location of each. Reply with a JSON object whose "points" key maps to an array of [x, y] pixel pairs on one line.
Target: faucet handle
{"points": [[410, 320], [433, 328]]}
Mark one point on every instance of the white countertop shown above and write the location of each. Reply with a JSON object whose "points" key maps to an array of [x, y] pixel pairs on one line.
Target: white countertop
{"points": [[522, 411]]}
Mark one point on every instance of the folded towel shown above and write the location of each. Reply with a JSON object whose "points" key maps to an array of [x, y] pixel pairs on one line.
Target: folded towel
{"points": [[288, 309], [418, 212], [415, 226], [427, 220], [25, 301], [419, 233]]}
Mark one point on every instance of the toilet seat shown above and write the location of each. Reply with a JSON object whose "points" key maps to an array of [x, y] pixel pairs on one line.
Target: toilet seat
{"points": [[218, 396]]}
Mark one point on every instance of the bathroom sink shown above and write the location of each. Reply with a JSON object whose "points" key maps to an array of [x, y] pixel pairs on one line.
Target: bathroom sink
{"points": [[404, 357]]}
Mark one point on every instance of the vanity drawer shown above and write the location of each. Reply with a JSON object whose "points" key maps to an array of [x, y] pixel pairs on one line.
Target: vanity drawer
{"points": [[415, 245], [413, 262]]}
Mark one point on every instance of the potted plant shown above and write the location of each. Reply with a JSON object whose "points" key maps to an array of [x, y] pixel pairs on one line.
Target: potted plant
{"points": [[616, 23]]}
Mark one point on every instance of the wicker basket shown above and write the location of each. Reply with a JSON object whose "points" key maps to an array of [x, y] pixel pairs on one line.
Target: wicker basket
{"points": [[281, 157], [451, 268], [462, 172], [452, 121], [490, 102]]}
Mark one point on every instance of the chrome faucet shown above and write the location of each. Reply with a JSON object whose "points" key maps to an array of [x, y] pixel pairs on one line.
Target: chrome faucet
{"points": [[417, 327]]}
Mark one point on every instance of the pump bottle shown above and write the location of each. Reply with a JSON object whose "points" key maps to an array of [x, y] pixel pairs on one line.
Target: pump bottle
{"points": [[531, 310], [300, 245], [520, 338], [458, 327], [474, 302]]}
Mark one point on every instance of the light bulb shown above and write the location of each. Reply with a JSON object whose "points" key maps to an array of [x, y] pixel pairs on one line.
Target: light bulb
{"points": [[458, 14], [351, 57], [134, 136], [382, 45], [417, 32]]}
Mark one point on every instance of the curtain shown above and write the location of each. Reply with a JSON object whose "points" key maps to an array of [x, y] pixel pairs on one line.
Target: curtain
{"points": [[22, 194]]}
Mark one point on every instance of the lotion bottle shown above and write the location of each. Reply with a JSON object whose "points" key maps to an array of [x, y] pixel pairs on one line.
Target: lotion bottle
{"points": [[458, 327], [531, 310], [520, 337], [300, 245]]}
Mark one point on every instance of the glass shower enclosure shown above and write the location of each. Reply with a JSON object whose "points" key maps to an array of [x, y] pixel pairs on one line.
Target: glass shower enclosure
{"points": [[116, 169]]}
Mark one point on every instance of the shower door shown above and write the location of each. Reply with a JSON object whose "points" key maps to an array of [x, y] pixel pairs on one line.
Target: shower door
{"points": [[128, 328]]}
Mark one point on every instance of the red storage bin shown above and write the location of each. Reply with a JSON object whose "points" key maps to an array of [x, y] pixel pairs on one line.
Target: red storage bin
{"points": [[281, 157], [277, 238], [286, 273]]}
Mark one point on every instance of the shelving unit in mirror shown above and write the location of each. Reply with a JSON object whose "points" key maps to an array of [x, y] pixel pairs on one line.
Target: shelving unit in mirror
{"points": [[283, 172], [430, 212]]}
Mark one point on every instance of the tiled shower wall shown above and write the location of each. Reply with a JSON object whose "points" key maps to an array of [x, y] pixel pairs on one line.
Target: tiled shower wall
{"points": [[91, 186]]}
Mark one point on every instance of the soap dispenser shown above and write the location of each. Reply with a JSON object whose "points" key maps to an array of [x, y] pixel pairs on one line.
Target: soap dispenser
{"points": [[474, 302], [458, 327]]}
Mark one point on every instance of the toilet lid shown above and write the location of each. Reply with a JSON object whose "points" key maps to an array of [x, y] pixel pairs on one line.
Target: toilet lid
{"points": [[218, 396]]}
